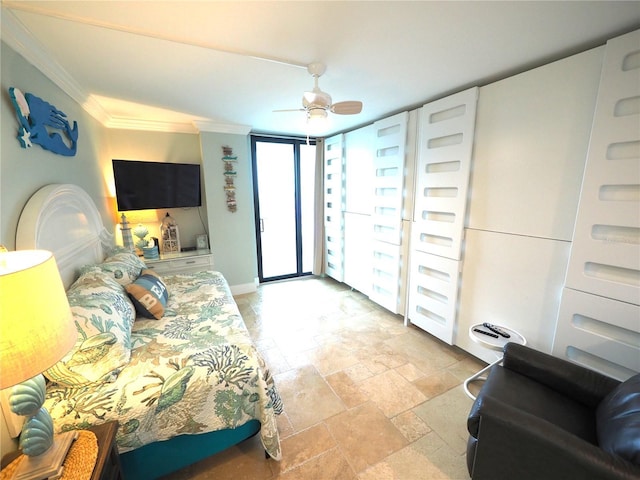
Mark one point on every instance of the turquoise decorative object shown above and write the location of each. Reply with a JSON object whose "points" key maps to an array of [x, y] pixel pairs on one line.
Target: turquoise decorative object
{"points": [[38, 119], [141, 232], [37, 434], [150, 253], [26, 399]]}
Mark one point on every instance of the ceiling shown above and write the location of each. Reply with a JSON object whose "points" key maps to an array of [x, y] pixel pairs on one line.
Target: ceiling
{"points": [[225, 66]]}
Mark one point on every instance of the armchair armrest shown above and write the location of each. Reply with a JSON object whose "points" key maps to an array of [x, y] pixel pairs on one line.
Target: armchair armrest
{"points": [[510, 440], [574, 381]]}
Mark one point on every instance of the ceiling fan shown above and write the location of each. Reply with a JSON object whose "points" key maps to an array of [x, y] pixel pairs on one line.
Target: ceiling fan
{"points": [[317, 104]]}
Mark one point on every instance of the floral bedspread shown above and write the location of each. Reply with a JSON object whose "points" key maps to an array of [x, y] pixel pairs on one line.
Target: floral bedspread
{"points": [[194, 371]]}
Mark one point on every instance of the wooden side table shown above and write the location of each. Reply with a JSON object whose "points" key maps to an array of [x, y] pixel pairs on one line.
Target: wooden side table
{"points": [[107, 465]]}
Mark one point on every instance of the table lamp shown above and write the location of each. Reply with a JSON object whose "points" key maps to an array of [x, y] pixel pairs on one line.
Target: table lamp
{"points": [[36, 330]]}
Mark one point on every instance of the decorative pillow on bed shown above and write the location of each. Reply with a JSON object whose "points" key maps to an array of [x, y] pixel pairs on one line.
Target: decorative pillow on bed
{"points": [[124, 265], [149, 294], [121, 272], [103, 316], [115, 249]]}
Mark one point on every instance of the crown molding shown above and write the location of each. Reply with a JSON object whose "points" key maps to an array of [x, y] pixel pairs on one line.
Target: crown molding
{"points": [[150, 125], [18, 37], [222, 127]]}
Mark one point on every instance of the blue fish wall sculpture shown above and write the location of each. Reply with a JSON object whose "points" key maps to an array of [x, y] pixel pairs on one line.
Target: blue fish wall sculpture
{"points": [[40, 122]]}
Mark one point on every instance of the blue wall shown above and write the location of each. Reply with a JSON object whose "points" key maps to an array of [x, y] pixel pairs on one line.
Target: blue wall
{"points": [[231, 234], [24, 171]]}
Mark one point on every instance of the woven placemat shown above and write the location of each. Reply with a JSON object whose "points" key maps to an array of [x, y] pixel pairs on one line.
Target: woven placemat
{"points": [[79, 463]]}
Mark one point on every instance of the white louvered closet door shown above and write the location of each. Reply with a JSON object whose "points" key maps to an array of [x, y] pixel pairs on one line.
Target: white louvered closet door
{"points": [[386, 215], [599, 320], [333, 207], [447, 129]]}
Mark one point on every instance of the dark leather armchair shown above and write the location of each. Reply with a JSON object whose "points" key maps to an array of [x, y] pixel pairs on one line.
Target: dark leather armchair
{"points": [[542, 417]]}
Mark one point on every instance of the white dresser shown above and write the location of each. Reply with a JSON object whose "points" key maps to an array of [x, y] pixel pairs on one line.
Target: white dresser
{"points": [[183, 262]]}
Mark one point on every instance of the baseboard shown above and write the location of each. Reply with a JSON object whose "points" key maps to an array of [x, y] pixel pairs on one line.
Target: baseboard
{"points": [[243, 288]]}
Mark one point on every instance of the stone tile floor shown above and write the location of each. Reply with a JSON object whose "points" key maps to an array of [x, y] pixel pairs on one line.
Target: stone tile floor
{"points": [[365, 397]]}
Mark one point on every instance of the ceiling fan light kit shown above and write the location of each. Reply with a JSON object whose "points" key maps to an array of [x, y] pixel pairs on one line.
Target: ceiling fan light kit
{"points": [[317, 104], [316, 114]]}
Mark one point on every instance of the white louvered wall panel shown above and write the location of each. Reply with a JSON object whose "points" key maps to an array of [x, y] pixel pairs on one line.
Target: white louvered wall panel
{"points": [[386, 265], [446, 146], [434, 291], [603, 333], [333, 207], [389, 233], [388, 178], [389, 262], [604, 267], [447, 129]]}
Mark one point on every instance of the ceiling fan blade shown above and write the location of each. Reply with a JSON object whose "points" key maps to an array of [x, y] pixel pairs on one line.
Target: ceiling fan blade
{"points": [[350, 107], [290, 110]]}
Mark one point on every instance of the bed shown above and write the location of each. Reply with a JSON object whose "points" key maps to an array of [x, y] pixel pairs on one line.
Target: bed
{"points": [[182, 386]]}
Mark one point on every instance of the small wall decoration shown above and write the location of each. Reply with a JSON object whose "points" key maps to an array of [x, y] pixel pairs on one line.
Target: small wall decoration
{"points": [[38, 120], [230, 162]]}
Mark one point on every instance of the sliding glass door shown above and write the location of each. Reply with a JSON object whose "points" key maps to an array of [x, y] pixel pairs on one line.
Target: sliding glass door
{"points": [[284, 177]]}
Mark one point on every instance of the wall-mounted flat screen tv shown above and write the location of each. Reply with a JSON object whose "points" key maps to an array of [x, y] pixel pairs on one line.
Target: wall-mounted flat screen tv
{"points": [[152, 185]]}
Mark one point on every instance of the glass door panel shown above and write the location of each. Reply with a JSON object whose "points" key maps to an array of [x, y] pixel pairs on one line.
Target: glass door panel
{"points": [[284, 183], [276, 196]]}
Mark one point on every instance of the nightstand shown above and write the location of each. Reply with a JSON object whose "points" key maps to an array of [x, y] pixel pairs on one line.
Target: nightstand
{"points": [[107, 465], [108, 462], [183, 262]]}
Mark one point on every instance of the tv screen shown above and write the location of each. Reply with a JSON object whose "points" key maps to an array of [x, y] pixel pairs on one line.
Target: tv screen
{"points": [[152, 185]]}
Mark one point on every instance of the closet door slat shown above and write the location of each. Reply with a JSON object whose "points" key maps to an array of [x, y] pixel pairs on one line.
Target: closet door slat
{"points": [[599, 320], [334, 207], [447, 128]]}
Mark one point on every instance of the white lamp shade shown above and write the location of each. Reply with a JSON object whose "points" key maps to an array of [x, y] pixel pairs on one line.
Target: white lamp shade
{"points": [[36, 324]]}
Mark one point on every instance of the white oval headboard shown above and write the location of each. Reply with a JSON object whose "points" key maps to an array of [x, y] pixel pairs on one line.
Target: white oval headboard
{"points": [[63, 219]]}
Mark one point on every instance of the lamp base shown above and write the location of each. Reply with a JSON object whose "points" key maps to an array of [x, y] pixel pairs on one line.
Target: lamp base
{"points": [[49, 464]]}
